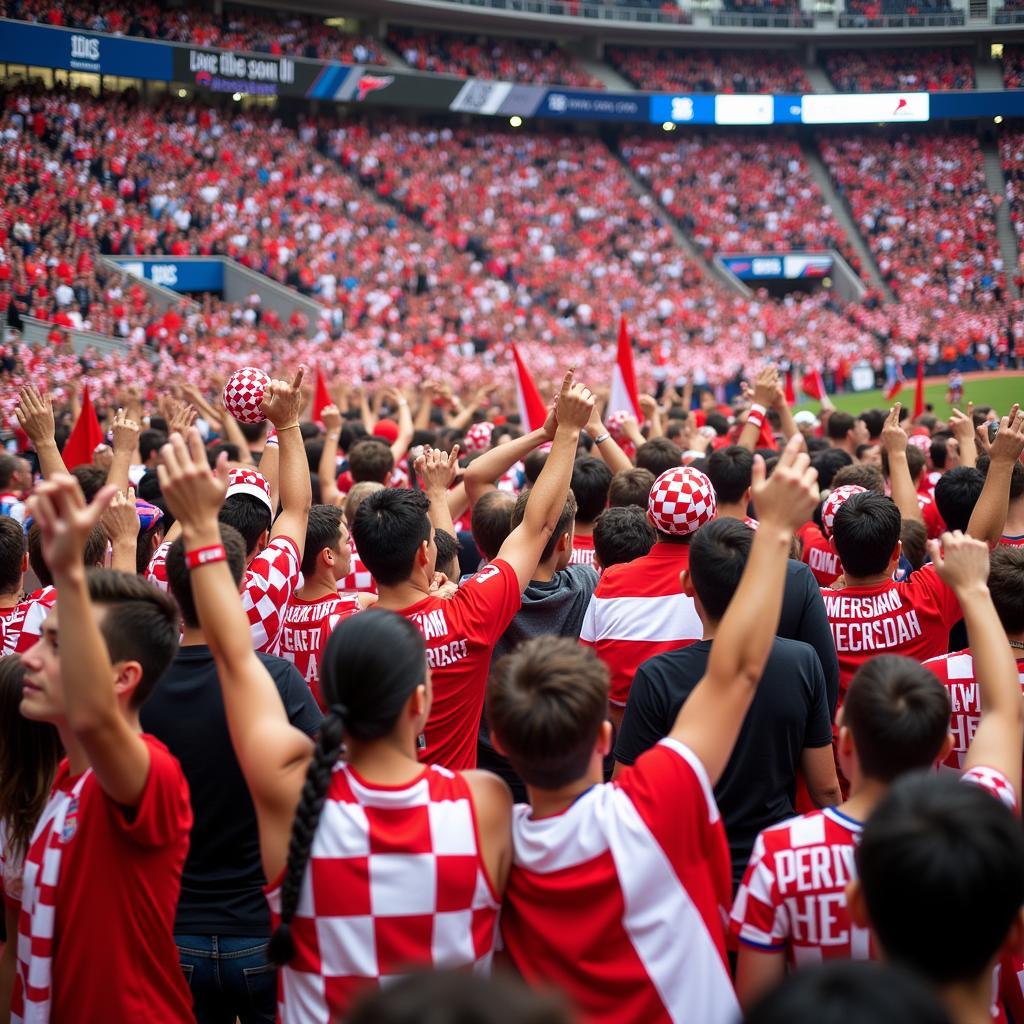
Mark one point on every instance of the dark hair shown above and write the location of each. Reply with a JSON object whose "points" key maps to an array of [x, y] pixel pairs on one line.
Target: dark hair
{"points": [[898, 713], [352, 432], [12, 553], [916, 461], [839, 425], [29, 754], [455, 997], [914, 538], [717, 422], [314, 448], [828, 462], [323, 530], [658, 455], [179, 580], [249, 516], [591, 479], [9, 465], [622, 534], [956, 494], [533, 464], [546, 702], [718, 556], [253, 431], [730, 471], [1016, 475], [388, 530], [140, 624], [849, 992], [150, 443], [562, 527], [938, 452], [630, 487], [1006, 585], [491, 521], [933, 851], [371, 665], [868, 477], [874, 420], [214, 451], [447, 550], [371, 459], [91, 479], [144, 546], [866, 530], [95, 553]]}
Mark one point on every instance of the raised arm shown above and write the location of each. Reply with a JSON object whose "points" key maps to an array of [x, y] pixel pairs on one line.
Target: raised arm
{"points": [[765, 385], [126, 443], [121, 524], [989, 517], [525, 544], [999, 740], [483, 473], [894, 441], [710, 720], [405, 426], [963, 430], [605, 445], [35, 416], [436, 471], [272, 754], [281, 405], [116, 751], [327, 468], [649, 407], [786, 422]]}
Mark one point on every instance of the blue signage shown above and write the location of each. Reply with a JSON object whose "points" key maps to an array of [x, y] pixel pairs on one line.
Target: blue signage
{"points": [[48, 47], [788, 266], [191, 275], [694, 109], [595, 106]]}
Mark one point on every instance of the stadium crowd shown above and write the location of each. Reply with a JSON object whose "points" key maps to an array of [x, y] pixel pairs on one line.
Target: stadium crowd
{"points": [[895, 70], [715, 71]]}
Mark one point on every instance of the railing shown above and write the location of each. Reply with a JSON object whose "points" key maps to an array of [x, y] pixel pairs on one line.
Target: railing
{"points": [[1008, 17], [762, 19], [943, 19], [584, 9]]}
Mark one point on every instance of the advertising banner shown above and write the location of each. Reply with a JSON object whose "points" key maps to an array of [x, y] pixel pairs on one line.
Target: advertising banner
{"points": [[192, 275], [382, 87], [790, 266], [249, 74], [595, 106]]}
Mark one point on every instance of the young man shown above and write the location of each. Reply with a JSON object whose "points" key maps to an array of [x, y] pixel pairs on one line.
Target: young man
{"points": [[317, 607], [846, 433], [394, 534], [103, 872], [818, 552], [630, 487], [359, 580], [616, 890], [622, 534], [274, 546], [222, 924], [788, 728], [729, 471], [591, 479]]}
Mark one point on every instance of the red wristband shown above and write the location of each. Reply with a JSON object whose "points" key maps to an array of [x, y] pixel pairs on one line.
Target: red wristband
{"points": [[756, 414], [204, 556]]}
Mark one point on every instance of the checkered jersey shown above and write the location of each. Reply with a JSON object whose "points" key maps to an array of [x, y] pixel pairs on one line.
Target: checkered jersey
{"points": [[395, 881], [995, 783], [956, 673], [23, 626], [359, 580], [793, 895], [156, 571]]}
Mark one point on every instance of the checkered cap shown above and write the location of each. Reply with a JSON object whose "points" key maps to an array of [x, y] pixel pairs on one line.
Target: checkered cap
{"points": [[243, 394], [478, 437], [834, 502], [249, 481], [615, 423], [682, 500], [149, 515], [922, 441]]}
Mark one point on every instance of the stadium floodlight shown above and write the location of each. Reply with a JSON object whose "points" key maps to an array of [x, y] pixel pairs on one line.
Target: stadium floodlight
{"points": [[998, 119], [236, 96], [182, 93], [516, 121], [668, 126]]}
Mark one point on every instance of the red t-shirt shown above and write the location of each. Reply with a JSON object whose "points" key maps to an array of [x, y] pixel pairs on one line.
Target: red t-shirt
{"points": [[460, 635], [582, 550], [114, 957], [818, 555]]}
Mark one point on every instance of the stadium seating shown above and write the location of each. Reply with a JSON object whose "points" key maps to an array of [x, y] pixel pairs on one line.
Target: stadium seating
{"points": [[715, 71], [896, 70]]}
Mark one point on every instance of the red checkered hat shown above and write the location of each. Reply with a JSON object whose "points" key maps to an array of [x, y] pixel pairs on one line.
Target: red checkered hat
{"points": [[478, 437], [243, 394], [251, 482], [922, 441], [615, 424], [834, 502], [682, 500]]}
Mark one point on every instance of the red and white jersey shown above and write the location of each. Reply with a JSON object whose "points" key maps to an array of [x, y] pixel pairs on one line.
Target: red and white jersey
{"points": [[818, 555], [582, 550], [619, 901], [359, 580], [793, 894], [305, 628], [638, 611], [912, 618], [22, 625], [1012, 541], [994, 782], [956, 673], [461, 633], [395, 881], [267, 587]]}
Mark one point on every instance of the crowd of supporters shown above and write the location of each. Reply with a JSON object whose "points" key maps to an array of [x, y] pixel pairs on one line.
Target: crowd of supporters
{"points": [[907, 68], [715, 71]]}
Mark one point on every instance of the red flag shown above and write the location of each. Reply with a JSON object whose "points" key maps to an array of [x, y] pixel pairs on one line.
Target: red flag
{"points": [[790, 392], [919, 389], [532, 410], [624, 394], [895, 387], [321, 397], [813, 385], [84, 436], [842, 372]]}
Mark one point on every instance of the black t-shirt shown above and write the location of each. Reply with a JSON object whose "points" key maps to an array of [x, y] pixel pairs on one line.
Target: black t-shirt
{"points": [[789, 712], [222, 883]]}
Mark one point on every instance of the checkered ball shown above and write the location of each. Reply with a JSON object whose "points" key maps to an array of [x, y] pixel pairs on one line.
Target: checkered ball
{"points": [[243, 394], [682, 500], [834, 502], [478, 437]]}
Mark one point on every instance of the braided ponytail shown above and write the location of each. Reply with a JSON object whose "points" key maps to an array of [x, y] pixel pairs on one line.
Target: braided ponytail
{"points": [[307, 817]]}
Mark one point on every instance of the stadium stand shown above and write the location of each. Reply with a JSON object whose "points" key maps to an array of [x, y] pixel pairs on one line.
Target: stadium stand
{"points": [[724, 70], [896, 70]]}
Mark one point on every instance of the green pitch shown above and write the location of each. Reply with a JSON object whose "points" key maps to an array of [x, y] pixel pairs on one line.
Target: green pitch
{"points": [[998, 391]]}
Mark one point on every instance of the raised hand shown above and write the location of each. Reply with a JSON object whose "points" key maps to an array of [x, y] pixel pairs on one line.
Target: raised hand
{"points": [[283, 401], [1008, 443], [765, 384], [194, 494], [894, 437], [35, 414], [575, 403], [960, 560], [330, 416], [65, 520], [120, 521], [786, 499], [435, 469], [126, 433]]}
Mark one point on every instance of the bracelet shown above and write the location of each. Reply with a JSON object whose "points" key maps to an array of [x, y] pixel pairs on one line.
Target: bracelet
{"points": [[289, 427], [604, 437], [204, 556], [756, 414], [271, 438]]}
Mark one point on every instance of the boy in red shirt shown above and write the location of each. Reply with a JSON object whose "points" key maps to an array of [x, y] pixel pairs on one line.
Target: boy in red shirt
{"points": [[110, 846]]}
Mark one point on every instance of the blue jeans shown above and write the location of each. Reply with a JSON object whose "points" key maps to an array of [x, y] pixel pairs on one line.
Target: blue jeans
{"points": [[230, 977]]}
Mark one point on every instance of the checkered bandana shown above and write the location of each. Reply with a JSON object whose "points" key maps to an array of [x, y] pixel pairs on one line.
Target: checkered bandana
{"points": [[834, 502], [243, 394], [478, 437], [248, 481], [682, 500]]}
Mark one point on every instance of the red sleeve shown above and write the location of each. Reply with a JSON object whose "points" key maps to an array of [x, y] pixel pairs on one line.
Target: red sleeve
{"points": [[927, 588], [487, 602]]}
